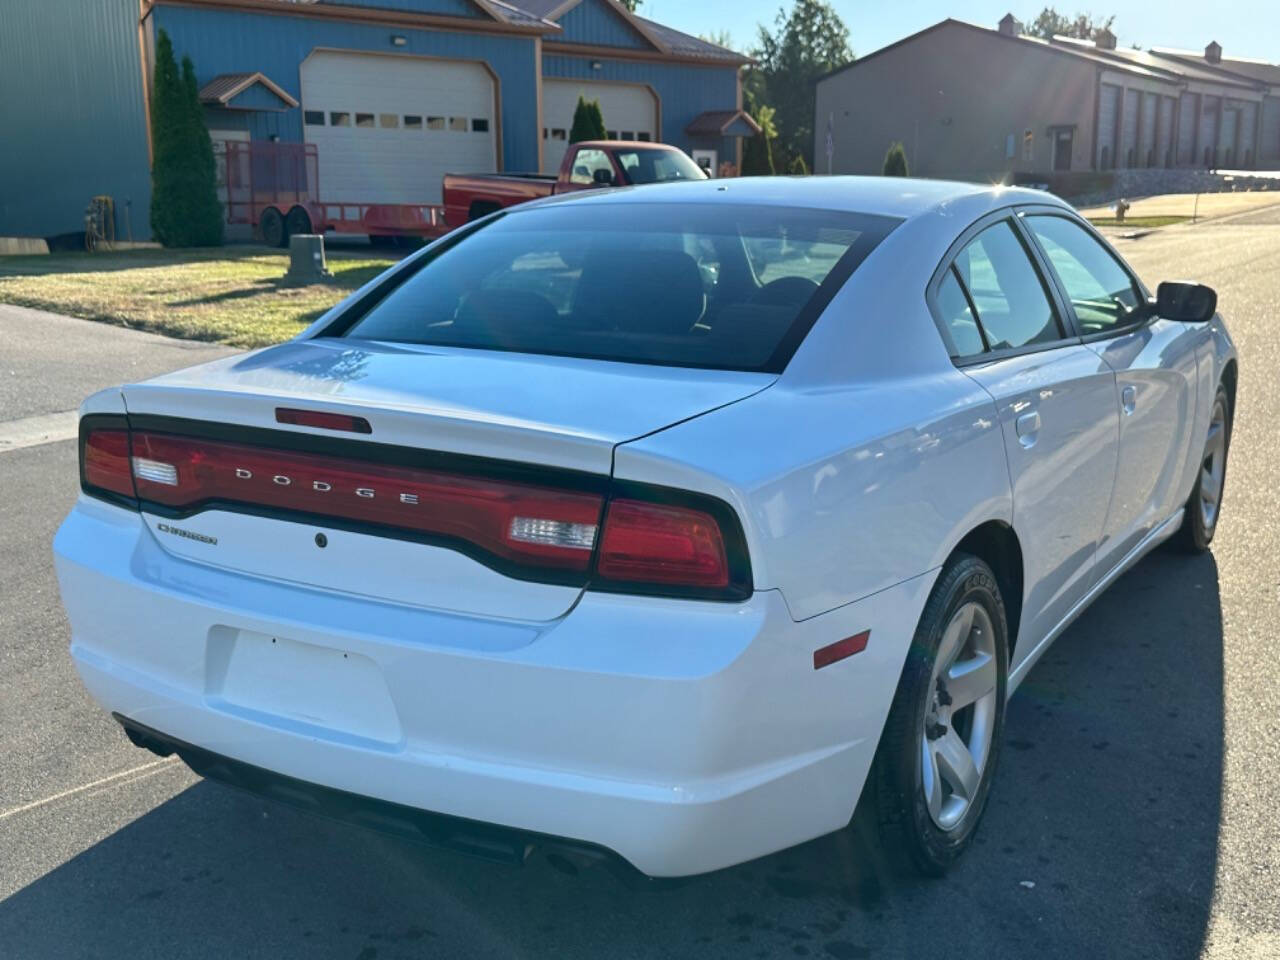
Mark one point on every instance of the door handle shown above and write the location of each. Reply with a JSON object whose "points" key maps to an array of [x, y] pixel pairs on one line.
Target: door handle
{"points": [[1028, 428], [1129, 399]]}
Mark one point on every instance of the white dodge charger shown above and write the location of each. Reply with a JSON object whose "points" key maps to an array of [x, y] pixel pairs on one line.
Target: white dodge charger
{"points": [[659, 525]]}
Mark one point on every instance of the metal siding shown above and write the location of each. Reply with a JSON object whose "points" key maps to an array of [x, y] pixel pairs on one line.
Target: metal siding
{"points": [[72, 112], [1108, 104], [1129, 130], [227, 41], [1150, 104], [1269, 148], [1164, 153], [593, 23], [683, 90], [452, 8], [1187, 130]]}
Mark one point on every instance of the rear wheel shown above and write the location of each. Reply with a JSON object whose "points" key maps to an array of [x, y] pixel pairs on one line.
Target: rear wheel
{"points": [[297, 222], [937, 756], [1204, 506], [272, 228]]}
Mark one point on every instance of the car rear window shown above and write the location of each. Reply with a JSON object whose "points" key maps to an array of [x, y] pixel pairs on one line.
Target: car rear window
{"points": [[647, 165], [704, 285]]}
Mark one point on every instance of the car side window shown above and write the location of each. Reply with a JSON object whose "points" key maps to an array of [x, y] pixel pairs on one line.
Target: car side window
{"points": [[1004, 287], [958, 317], [590, 167], [1102, 293]]}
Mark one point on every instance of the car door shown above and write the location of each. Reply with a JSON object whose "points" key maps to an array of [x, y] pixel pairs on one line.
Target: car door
{"points": [[1056, 403], [1155, 365]]}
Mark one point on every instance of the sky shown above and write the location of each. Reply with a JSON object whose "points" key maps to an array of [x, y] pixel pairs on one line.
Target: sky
{"points": [[1245, 28]]}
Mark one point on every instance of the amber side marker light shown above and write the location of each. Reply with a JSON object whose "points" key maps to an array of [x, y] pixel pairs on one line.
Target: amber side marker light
{"points": [[825, 656], [325, 421]]}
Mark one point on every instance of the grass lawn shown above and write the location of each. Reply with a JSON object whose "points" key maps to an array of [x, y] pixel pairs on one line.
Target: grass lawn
{"points": [[1137, 222], [229, 294]]}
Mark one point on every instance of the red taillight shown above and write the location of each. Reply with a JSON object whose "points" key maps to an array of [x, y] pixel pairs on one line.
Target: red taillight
{"points": [[662, 544], [325, 421], [516, 521], [106, 461]]}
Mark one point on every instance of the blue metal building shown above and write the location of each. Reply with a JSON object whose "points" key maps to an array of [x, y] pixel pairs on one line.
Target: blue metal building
{"points": [[391, 93]]}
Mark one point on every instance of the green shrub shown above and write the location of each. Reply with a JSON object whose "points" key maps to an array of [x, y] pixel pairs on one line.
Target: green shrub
{"points": [[895, 161]]}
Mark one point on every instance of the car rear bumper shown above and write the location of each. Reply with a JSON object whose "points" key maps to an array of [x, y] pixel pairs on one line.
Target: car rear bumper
{"points": [[683, 736]]}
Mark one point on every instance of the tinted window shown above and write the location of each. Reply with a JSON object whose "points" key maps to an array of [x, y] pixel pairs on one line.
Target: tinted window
{"points": [[957, 317], [1013, 307], [1100, 290], [647, 283], [658, 166]]}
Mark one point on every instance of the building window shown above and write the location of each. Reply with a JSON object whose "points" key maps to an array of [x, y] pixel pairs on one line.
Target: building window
{"points": [[479, 125], [611, 134], [313, 118], [337, 119], [628, 135], [435, 123], [364, 120], [458, 123], [412, 122], [642, 135], [1028, 146], [557, 133], [389, 120]]}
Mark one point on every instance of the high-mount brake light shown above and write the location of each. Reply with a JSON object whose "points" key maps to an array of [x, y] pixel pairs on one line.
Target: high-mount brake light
{"points": [[325, 421]]}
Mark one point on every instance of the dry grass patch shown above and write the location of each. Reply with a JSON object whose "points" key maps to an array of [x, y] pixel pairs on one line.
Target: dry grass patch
{"points": [[232, 295]]}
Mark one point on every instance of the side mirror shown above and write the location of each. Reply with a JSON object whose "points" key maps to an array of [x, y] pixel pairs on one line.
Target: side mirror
{"points": [[1186, 302], [603, 177]]}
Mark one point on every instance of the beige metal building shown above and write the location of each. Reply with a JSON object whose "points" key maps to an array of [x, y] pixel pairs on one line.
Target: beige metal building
{"points": [[974, 103]]}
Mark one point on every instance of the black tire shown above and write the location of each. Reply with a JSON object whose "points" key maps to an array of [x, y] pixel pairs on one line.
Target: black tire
{"points": [[381, 241], [272, 228], [1196, 532], [897, 776], [297, 222]]}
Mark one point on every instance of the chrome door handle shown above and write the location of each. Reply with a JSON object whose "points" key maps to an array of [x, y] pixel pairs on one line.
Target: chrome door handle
{"points": [[1129, 399], [1028, 427]]}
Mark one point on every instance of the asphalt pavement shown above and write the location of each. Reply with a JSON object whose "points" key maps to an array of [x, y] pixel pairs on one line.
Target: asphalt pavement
{"points": [[1134, 812]]}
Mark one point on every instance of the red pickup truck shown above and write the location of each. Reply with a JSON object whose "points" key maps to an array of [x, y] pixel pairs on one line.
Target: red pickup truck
{"points": [[587, 165]]}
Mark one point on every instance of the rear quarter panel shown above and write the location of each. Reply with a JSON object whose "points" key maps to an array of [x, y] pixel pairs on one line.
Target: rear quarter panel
{"points": [[869, 459]]}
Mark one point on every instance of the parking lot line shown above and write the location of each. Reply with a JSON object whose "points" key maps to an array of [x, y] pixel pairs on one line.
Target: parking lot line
{"points": [[145, 768]]}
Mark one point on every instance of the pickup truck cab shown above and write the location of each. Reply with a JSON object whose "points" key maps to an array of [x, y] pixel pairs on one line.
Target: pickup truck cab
{"points": [[588, 165]]}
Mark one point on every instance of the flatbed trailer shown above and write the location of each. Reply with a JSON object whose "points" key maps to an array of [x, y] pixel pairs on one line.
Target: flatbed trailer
{"points": [[275, 188]]}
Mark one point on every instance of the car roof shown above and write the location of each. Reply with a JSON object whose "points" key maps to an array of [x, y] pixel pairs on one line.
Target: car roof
{"points": [[901, 197]]}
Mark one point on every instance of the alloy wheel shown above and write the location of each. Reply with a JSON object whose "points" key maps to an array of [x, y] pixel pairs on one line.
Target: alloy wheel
{"points": [[960, 714], [1213, 466]]}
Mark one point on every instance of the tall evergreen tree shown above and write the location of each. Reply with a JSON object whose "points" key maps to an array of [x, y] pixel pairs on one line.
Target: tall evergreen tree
{"points": [[184, 201], [588, 121]]}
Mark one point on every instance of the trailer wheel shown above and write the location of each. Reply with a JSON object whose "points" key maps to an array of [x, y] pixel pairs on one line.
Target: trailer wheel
{"points": [[298, 221], [381, 241], [272, 228]]}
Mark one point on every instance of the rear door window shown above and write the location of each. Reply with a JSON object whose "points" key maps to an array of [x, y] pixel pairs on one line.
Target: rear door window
{"points": [[1012, 303], [719, 286]]}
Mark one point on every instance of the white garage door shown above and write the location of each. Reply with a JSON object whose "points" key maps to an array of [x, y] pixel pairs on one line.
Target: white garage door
{"points": [[630, 113], [387, 128]]}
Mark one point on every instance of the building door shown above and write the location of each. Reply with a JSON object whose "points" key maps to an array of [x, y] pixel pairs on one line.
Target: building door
{"points": [[387, 128], [630, 112], [1062, 144]]}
